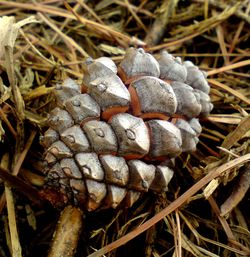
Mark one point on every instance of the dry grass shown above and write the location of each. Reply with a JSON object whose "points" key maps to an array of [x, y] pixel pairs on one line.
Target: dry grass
{"points": [[206, 211]]}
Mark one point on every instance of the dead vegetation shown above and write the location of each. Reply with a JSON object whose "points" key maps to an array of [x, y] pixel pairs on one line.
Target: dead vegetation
{"points": [[206, 211]]}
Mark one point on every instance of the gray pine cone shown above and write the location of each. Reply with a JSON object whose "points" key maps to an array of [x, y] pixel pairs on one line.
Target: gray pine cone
{"points": [[112, 139]]}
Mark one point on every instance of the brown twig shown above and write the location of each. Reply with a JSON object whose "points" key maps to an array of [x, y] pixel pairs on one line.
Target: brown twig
{"points": [[4, 119], [18, 165], [222, 220], [21, 186], [67, 233], [23, 154], [238, 193], [159, 26]]}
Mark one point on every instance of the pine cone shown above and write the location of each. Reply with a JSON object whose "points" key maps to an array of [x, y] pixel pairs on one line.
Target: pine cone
{"points": [[115, 137]]}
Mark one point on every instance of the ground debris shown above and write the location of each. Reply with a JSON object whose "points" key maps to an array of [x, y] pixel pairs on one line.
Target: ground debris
{"points": [[205, 212]]}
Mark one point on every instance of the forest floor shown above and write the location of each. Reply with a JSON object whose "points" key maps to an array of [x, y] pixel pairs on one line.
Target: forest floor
{"points": [[206, 210]]}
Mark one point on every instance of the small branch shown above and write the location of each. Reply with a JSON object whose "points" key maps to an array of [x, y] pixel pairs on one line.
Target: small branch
{"points": [[67, 233], [8, 124], [23, 154], [222, 220], [26, 189], [21, 186], [159, 27], [238, 193]]}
